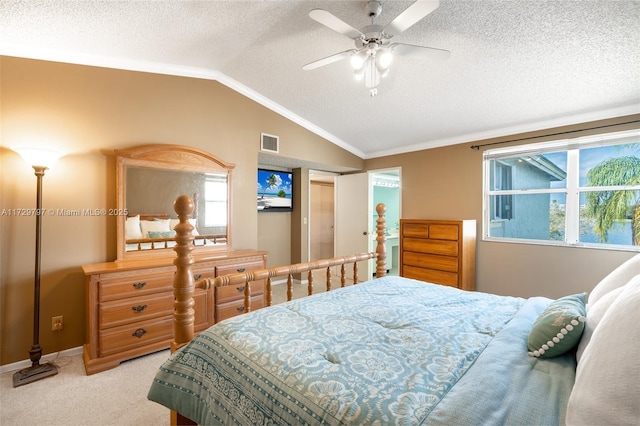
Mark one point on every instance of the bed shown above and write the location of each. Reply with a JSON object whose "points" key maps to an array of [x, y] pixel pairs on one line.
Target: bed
{"points": [[155, 231], [405, 352]]}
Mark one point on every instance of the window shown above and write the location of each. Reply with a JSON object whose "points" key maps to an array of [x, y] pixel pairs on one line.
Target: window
{"points": [[579, 192], [215, 200], [502, 207]]}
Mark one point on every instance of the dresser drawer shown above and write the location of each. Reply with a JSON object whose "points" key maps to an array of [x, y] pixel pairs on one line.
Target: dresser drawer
{"points": [[117, 288], [119, 339], [419, 230], [229, 293], [135, 309], [201, 273], [239, 267], [443, 232], [431, 261], [431, 275], [231, 309], [443, 248]]}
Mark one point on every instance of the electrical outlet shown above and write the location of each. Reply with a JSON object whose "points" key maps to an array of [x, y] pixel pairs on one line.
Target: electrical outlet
{"points": [[56, 323]]}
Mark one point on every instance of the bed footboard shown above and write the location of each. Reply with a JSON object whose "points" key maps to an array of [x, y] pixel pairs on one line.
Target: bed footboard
{"points": [[184, 284]]}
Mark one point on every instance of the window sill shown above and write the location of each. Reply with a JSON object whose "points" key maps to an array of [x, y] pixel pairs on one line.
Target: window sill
{"points": [[609, 247]]}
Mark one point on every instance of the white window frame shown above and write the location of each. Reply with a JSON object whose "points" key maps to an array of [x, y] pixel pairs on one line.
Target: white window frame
{"points": [[498, 205], [572, 190]]}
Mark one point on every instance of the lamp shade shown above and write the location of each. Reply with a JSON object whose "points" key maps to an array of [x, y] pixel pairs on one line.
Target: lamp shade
{"points": [[384, 59], [359, 59], [39, 156]]}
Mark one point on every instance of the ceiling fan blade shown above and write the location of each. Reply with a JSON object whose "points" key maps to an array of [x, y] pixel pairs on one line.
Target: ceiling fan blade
{"points": [[329, 60], [336, 24], [430, 53], [410, 16]]}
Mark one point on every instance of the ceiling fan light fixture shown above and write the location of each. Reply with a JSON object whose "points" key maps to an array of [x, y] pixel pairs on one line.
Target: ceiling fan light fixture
{"points": [[373, 54], [384, 59], [358, 60]]}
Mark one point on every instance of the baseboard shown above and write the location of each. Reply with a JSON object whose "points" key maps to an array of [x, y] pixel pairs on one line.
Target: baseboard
{"points": [[45, 358]]}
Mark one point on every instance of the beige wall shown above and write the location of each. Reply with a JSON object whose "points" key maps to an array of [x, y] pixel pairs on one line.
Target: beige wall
{"points": [[88, 112], [446, 183], [274, 236]]}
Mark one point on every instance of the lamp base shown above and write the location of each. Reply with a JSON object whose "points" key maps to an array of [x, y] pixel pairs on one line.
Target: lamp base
{"points": [[33, 373]]}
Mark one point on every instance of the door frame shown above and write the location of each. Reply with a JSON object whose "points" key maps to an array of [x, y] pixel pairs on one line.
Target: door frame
{"points": [[372, 211]]}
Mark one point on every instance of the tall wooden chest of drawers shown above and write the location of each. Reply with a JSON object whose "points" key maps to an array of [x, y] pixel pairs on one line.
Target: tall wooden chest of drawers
{"points": [[439, 251], [130, 303]]}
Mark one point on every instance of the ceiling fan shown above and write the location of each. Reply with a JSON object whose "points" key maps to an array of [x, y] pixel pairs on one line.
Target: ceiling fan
{"points": [[374, 50]]}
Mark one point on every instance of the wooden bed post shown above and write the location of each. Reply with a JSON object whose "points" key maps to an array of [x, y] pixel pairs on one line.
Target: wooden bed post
{"points": [[183, 284], [183, 287], [381, 249]]}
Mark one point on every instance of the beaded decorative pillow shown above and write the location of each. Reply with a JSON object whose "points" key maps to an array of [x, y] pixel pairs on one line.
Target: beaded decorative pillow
{"points": [[558, 328]]}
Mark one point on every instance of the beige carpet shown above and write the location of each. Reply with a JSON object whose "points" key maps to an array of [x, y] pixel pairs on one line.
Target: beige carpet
{"points": [[115, 397], [279, 290]]}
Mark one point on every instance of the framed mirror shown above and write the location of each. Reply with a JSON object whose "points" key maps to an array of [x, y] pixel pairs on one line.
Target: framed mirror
{"points": [[149, 179]]}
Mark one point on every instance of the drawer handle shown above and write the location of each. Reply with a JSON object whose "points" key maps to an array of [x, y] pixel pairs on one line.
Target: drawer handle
{"points": [[139, 333], [139, 285], [197, 276], [139, 308], [240, 269], [241, 309], [240, 288]]}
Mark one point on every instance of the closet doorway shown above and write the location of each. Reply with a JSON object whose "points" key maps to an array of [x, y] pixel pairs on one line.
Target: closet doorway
{"points": [[321, 216]]}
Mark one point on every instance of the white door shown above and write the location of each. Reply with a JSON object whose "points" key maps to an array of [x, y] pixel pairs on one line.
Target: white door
{"points": [[354, 221]]}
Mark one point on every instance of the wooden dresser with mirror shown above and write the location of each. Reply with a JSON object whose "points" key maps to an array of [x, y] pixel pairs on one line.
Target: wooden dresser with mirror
{"points": [[130, 301]]}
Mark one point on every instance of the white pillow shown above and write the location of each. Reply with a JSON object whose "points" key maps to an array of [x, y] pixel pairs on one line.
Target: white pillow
{"points": [[617, 278], [132, 228], [607, 386], [192, 221], [595, 314], [159, 225]]}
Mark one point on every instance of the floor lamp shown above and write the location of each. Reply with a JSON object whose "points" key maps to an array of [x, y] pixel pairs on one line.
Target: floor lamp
{"points": [[40, 160]]}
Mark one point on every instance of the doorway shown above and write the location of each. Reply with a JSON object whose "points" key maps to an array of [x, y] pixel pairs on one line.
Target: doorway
{"points": [[383, 186], [386, 189]]}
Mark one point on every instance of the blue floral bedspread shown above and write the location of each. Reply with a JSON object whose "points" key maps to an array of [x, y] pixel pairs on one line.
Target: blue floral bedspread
{"points": [[388, 351]]}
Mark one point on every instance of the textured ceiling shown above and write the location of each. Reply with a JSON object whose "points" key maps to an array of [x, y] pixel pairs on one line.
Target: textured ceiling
{"points": [[516, 65]]}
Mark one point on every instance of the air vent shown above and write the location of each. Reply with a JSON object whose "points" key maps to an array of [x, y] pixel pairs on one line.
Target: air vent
{"points": [[269, 143]]}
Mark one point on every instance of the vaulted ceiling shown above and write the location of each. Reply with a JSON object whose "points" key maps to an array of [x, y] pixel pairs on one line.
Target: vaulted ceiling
{"points": [[515, 65]]}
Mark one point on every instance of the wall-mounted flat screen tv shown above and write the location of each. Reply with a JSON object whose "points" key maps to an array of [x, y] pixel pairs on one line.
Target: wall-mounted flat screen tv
{"points": [[275, 190]]}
